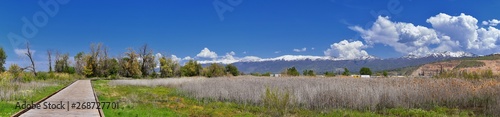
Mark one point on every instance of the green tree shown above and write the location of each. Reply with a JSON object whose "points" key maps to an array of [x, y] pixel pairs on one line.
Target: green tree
{"points": [[133, 68], [233, 70], [346, 72], [365, 71], [15, 70], [214, 70], [80, 62], [308, 73], [3, 57], [113, 68], [62, 63], [88, 68], [192, 68], [292, 72], [169, 67], [384, 73]]}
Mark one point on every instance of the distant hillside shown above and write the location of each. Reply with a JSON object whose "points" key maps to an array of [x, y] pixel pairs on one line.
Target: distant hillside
{"points": [[469, 64]]}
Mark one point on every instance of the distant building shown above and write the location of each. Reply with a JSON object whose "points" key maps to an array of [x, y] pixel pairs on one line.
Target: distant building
{"points": [[275, 75], [365, 76], [355, 76]]}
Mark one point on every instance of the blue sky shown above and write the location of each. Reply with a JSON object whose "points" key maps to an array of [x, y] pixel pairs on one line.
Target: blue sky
{"points": [[258, 28]]}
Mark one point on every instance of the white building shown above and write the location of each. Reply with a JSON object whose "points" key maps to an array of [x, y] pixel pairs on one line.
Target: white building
{"points": [[275, 75]]}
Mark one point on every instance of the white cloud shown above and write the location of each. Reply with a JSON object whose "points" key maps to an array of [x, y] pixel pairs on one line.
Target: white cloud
{"points": [[403, 37], [347, 50], [300, 50], [175, 58], [187, 58], [461, 28], [493, 22], [22, 52], [313, 48], [206, 53], [448, 33], [277, 52]]}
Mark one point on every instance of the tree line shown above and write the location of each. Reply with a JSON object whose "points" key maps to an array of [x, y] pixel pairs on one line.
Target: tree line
{"points": [[140, 63]]}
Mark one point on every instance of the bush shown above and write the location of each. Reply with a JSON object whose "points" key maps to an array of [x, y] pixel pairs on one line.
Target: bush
{"points": [[365, 71], [292, 72], [15, 70], [346, 72], [233, 70], [277, 103], [329, 74]]}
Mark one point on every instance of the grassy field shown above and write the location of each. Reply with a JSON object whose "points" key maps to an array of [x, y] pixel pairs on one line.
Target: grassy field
{"points": [[300, 97]]}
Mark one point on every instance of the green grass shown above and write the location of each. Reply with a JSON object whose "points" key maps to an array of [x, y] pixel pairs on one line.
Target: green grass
{"points": [[166, 101], [7, 107]]}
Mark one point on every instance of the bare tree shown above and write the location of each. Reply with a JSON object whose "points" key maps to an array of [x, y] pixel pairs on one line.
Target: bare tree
{"points": [[30, 56], [147, 63], [49, 53]]}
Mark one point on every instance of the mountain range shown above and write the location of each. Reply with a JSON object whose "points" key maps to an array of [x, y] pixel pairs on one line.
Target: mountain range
{"points": [[324, 64]]}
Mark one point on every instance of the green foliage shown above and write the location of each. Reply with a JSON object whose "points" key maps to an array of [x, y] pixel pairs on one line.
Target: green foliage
{"points": [[3, 57], [365, 71], [346, 72], [169, 67], [192, 68], [233, 70], [277, 103], [132, 66], [266, 74], [385, 73], [214, 70], [469, 63], [79, 59], [113, 67], [15, 70], [292, 72], [329, 74], [62, 63], [308, 73], [255, 74]]}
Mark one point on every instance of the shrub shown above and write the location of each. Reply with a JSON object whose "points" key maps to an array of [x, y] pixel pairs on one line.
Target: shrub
{"points": [[365, 71]]}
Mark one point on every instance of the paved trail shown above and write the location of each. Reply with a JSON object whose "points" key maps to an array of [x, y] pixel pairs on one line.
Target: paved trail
{"points": [[80, 91]]}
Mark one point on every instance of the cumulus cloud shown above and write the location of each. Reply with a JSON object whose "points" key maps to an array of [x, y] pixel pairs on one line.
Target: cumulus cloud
{"points": [[448, 33], [277, 52], [206, 53], [300, 50], [493, 22], [187, 58], [347, 50], [22, 52], [175, 58]]}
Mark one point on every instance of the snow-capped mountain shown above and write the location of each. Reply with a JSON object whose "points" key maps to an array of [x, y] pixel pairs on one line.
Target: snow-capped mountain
{"points": [[445, 54], [282, 58]]}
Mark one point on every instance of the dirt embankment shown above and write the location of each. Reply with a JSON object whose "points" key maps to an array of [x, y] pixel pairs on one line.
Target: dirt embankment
{"points": [[432, 69]]}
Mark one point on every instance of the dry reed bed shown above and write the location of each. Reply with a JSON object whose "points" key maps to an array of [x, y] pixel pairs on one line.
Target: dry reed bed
{"points": [[360, 94], [14, 90]]}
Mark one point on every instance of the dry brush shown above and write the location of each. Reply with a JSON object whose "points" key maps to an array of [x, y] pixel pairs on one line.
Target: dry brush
{"points": [[342, 93]]}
